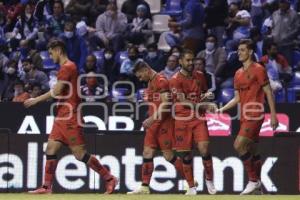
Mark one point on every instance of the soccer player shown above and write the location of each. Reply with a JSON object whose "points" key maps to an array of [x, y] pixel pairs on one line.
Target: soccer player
{"points": [[188, 87], [66, 129], [251, 84], [159, 125]]}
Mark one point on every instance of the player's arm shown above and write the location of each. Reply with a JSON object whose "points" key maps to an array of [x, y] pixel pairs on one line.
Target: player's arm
{"points": [[56, 91], [232, 103], [269, 94]]}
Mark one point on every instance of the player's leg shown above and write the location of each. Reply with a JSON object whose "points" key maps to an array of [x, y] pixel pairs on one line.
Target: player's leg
{"points": [[201, 138], [243, 146], [50, 167], [80, 153], [174, 160], [183, 143], [147, 168], [256, 159]]}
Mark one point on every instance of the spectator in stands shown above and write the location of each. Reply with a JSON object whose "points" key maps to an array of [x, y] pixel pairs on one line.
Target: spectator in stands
{"points": [[129, 9], [36, 90], [44, 10], [176, 51], [55, 23], [239, 24], [216, 11], [172, 67], [79, 9], [199, 65], [27, 50], [98, 7], [141, 27], [109, 67], [76, 46], [278, 69], [257, 12], [27, 25], [192, 25], [3, 69], [14, 9], [33, 75], [10, 75], [92, 89], [154, 57], [215, 57], [257, 39], [174, 36], [20, 95], [91, 64], [127, 65], [285, 28], [111, 26]]}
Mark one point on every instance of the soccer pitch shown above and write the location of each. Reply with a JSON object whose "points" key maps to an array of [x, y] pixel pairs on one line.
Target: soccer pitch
{"points": [[143, 197]]}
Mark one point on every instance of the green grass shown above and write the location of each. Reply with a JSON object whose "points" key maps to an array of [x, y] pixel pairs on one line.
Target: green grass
{"points": [[143, 197]]}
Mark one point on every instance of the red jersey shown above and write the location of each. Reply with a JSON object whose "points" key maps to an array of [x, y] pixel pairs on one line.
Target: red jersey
{"points": [[249, 83], [68, 72], [192, 88], [156, 86]]}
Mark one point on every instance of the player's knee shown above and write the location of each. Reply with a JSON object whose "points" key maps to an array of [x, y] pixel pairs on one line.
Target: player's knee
{"points": [[239, 147], [148, 153], [50, 150], [168, 155], [187, 157], [79, 155], [203, 150]]}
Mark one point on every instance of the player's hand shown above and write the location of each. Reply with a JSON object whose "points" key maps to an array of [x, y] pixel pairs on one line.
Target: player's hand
{"points": [[274, 122], [148, 122], [30, 102]]}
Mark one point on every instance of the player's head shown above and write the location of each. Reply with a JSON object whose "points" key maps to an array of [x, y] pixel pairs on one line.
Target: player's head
{"points": [[142, 70], [245, 50], [56, 49], [199, 64], [186, 60]]}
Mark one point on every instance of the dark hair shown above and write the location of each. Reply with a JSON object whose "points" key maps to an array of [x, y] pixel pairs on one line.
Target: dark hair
{"points": [[59, 2], [202, 59], [248, 42], [270, 44], [134, 48], [213, 36], [27, 59], [185, 52], [152, 46], [56, 43], [139, 64], [19, 82]]}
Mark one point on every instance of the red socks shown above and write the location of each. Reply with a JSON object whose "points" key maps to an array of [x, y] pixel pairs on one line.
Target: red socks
{"points": [[208, 167], [97, 167], [249, 166], [50, 168], [147, 170]]}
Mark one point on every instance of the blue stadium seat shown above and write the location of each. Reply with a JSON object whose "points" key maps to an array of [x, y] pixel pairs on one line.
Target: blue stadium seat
{"points": [[173, 8], [296, 80], [48, 63], [296, 58], [280, 96], [119, 94], [99, 56], [140, 94], [121, 56], [226, 95], [293, 94]]}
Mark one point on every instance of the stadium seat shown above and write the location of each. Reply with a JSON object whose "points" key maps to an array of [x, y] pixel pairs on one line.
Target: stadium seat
{"points": [[293, 94], [119, 94], [160, 23], [296, 80], [99, 56], [120, 3], [121, 56], [155, 6], [280, 96], [226, 95], [296, 58], [140, 94], [173, 8], [162, 43], [48, 63]]}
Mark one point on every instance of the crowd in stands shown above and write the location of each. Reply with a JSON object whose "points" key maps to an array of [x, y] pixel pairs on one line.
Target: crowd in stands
{"points": [[107, 37]]}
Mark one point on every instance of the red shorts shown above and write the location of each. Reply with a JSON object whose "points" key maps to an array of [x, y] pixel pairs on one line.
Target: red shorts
{"points": [[189, 132], [68, 132], [160, 135], [251, 129]]}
